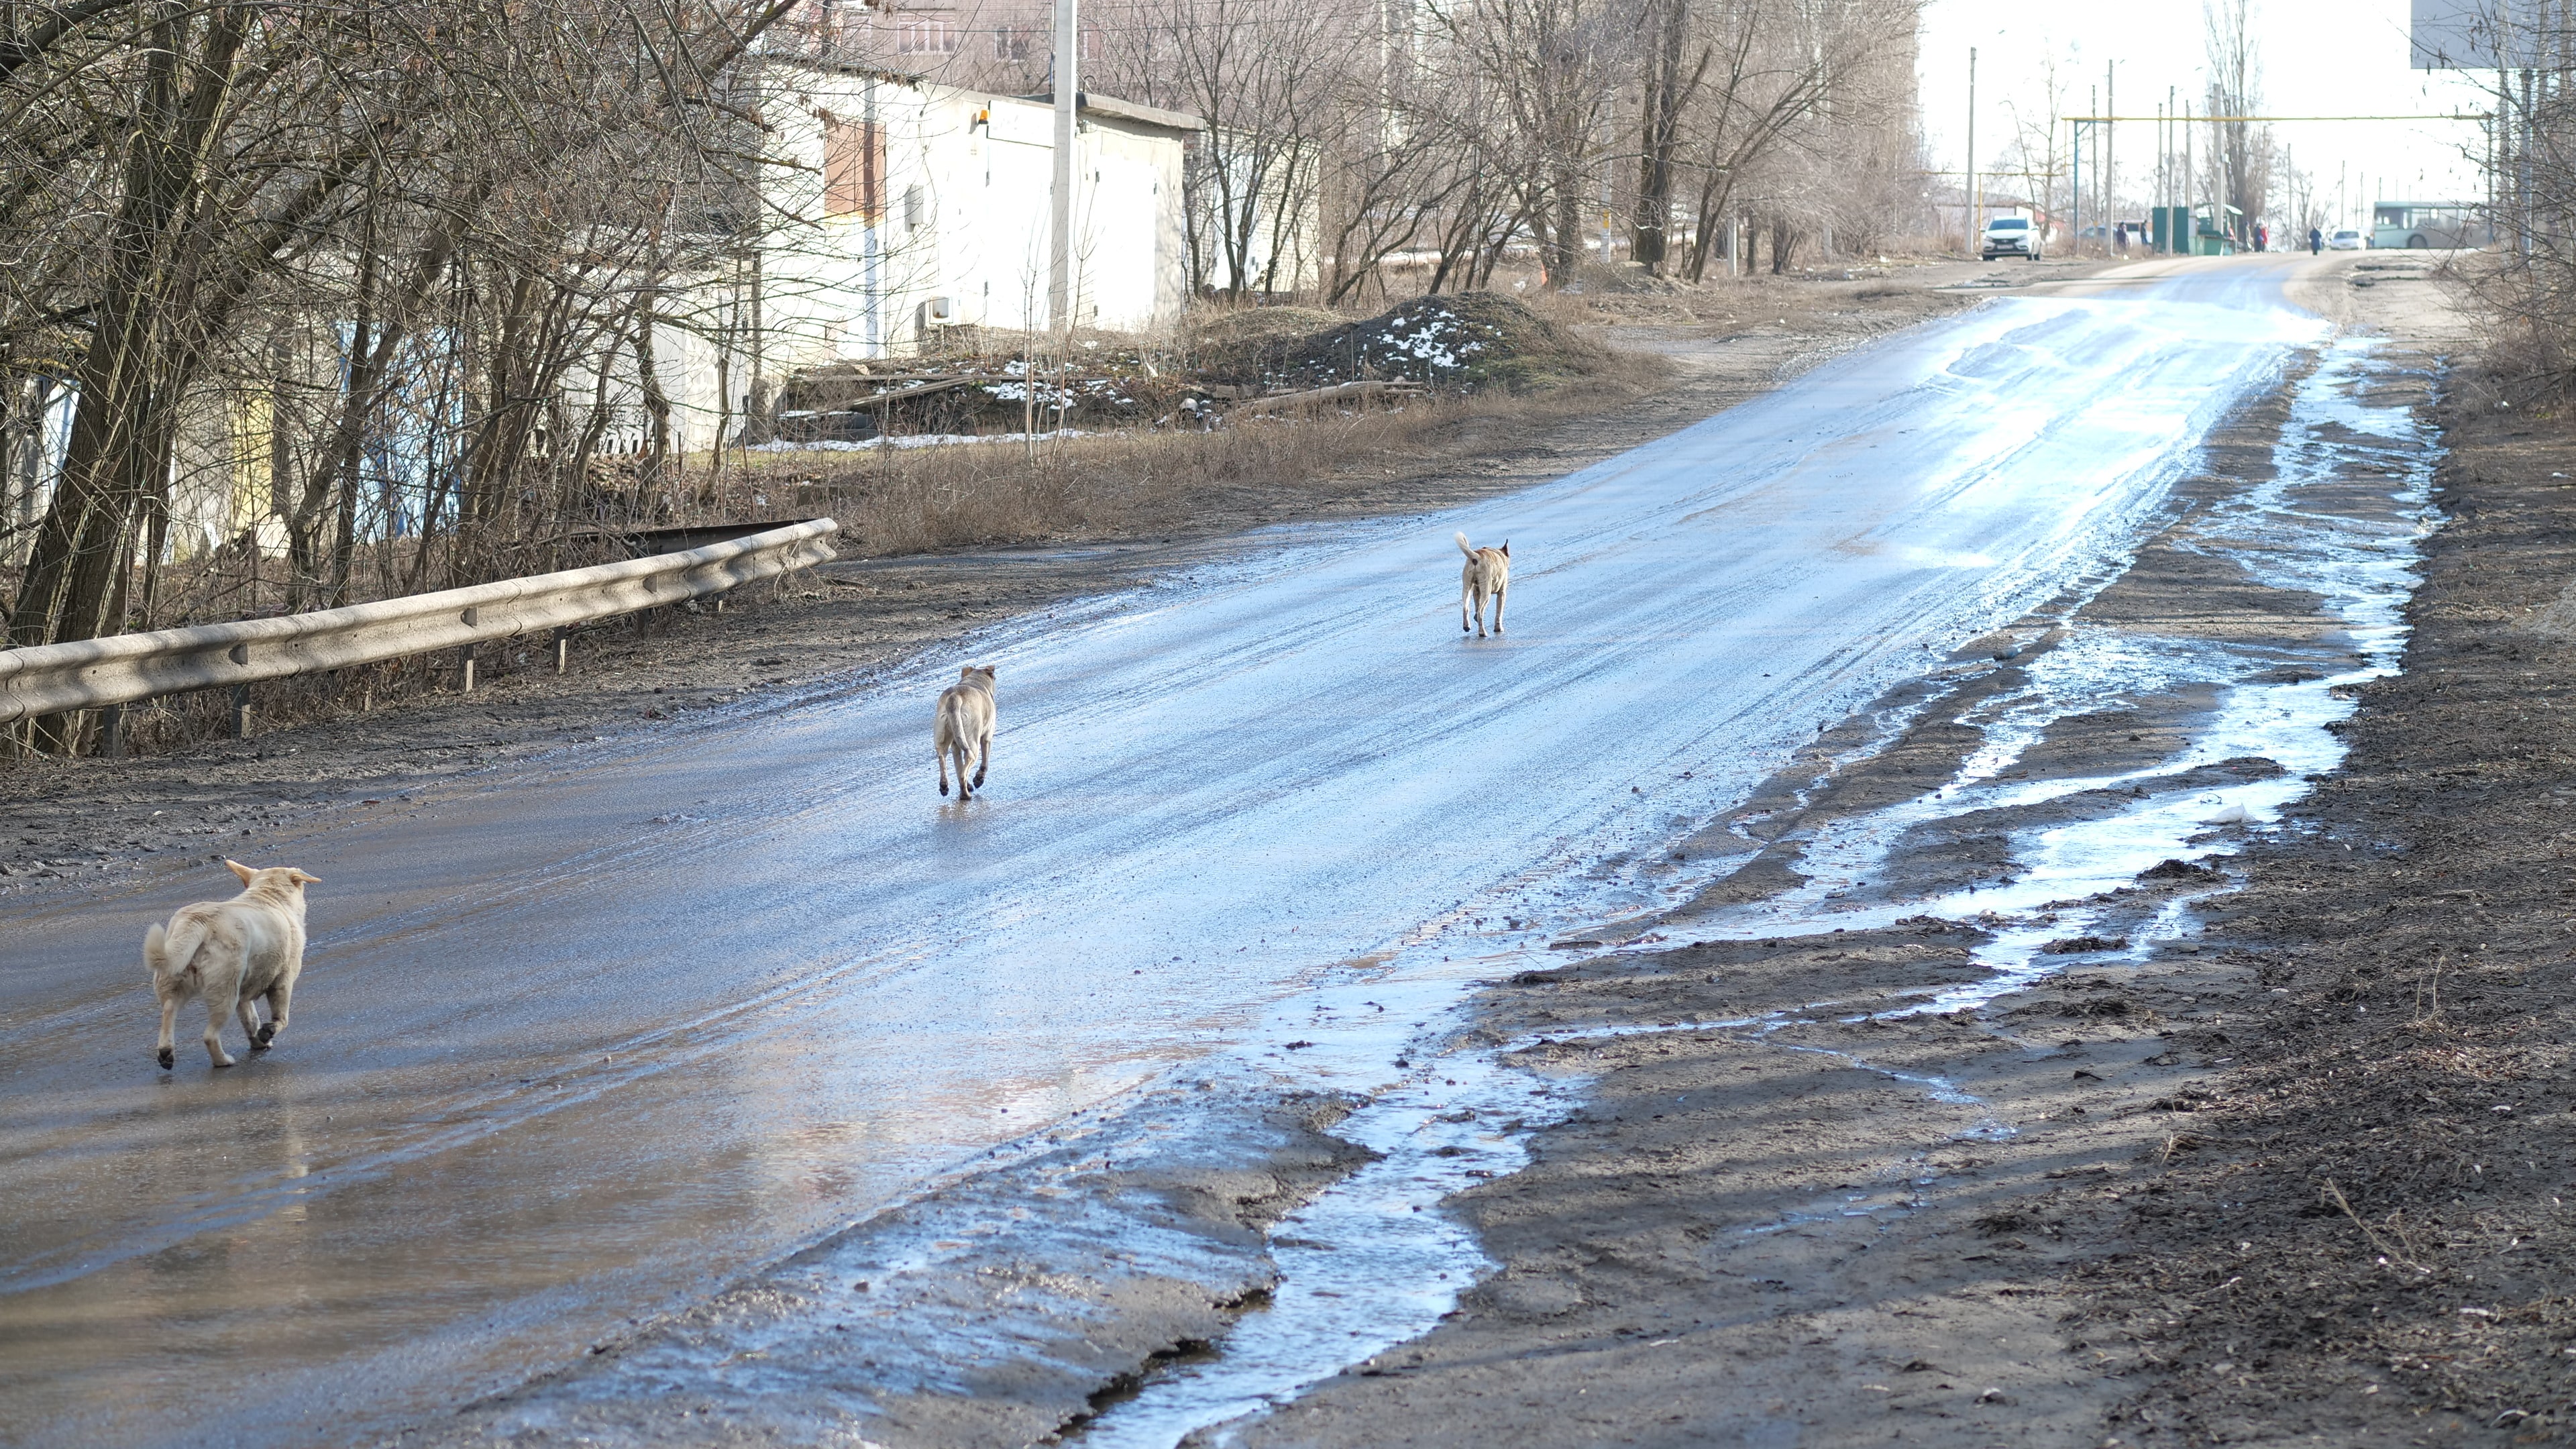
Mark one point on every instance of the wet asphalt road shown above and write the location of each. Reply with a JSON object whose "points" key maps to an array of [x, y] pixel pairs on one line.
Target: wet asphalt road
{"points": [[580, 1041]]}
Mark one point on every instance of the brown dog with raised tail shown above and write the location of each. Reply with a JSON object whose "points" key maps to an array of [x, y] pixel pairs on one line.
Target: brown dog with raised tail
{"points": [[1488, 573]]}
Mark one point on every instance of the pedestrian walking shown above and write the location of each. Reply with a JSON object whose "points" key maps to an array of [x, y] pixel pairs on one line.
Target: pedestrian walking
{"points": [[2316, 241]]}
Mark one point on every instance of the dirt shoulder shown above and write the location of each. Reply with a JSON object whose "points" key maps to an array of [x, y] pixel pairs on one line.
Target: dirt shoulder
{"points": [[2092, 1208], [67, 824], [2374, 1240]]}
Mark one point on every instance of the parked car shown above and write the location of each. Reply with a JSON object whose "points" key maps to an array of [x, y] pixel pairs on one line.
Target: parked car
{"points": [[2011, 236], [2345, 239]]}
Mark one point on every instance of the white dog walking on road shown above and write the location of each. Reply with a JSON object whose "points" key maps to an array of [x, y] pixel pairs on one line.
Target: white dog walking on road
{"points": [[231, 953], [1488, 572], [963, 727]]}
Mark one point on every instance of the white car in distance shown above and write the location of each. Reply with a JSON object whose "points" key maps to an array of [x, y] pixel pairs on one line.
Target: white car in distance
{"points": [[2345, 239], [2011, 236]]}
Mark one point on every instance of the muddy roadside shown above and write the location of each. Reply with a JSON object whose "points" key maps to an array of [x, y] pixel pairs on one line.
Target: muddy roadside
{"points": [[2193, 1157], [2372, 1238], [67, 824]]}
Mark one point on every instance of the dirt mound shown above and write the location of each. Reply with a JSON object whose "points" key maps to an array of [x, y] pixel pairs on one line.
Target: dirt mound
{"points": [[1462, 339]]}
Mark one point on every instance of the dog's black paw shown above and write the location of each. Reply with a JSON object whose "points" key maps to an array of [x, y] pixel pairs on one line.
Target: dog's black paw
{"points": [[943, 787], [259, 1043], [167, 1058]]}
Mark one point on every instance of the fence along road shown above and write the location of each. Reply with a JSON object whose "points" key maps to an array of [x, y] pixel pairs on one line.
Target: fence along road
{"points": [[126, 668], [585, 1039]]}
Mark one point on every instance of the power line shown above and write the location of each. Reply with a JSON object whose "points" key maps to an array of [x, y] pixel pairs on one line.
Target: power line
{"points": [[2461, 116]]}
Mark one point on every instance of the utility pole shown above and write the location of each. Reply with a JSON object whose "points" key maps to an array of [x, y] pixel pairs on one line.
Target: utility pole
{"points": [[2190, 212], [2524, 141], [1969, 190], [2165, 192], [1068, 83], [872, 189], [2110, 144]]}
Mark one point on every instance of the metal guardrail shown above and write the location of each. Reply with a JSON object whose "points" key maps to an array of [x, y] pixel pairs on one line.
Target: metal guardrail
{"points": [[124, 668]]}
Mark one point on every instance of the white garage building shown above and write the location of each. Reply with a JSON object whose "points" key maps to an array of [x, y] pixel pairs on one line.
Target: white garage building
{"points": [[910, 206], [904, 207]]}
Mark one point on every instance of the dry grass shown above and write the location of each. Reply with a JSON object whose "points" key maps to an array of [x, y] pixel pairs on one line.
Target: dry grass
{"points": [[1174, 481]]}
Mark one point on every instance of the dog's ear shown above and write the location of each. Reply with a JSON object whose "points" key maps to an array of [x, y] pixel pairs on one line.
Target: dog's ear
{"points": [[239, 869], [990, 669], [965, 671], [1507, 548], [300, 878]]}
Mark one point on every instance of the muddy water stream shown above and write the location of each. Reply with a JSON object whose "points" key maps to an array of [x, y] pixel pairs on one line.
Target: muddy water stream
{"points": [[1370, 1263]]}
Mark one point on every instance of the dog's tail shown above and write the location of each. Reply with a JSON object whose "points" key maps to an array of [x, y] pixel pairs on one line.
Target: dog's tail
{"points": [[1461, 536], [167, 953]]}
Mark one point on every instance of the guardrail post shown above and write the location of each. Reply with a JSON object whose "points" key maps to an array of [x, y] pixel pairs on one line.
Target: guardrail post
{"points": [[465, 656], [563, 650], [241, 711], [112, 733]]}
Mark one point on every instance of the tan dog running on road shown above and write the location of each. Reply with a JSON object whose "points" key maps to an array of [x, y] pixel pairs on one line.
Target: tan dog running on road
{"points": [[963, 727], [1488, 571], [230, 953]]}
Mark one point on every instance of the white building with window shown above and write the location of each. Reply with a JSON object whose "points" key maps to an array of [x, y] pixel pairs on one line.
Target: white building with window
{"points": [[908, 206], [899, 208]]}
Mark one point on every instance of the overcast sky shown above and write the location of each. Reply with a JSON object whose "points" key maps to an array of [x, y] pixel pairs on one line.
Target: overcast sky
{"points": [[2319, 58]]}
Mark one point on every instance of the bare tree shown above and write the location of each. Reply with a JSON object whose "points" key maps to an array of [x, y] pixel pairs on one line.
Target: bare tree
{"points": [[2035, 110], [207, 196], [2241, 150]]}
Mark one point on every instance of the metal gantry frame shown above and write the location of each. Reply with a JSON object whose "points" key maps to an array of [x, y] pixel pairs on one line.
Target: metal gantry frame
{"points": [[2076, 125]]}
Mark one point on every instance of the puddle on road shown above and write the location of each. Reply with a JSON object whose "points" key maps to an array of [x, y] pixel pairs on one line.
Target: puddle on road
{"points": [[1372, 1262], [1366, 1265]]}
